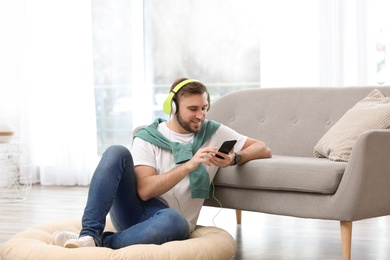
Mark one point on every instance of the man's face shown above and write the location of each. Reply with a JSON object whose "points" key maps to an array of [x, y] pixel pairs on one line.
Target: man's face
{"points": [[192, 112]]}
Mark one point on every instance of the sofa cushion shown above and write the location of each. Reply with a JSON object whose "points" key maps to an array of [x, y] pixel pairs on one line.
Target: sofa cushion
{"points": [[301, 174], [372, 112]]}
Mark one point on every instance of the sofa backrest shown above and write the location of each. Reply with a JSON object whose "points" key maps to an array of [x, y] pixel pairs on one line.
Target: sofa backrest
{"points": [[289, 120]]}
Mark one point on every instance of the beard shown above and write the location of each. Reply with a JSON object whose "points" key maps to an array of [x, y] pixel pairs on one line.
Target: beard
{"points": [[187, 126]]}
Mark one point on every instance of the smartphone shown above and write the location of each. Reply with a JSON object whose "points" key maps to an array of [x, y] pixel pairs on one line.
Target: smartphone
{"points": [[226, 147]]}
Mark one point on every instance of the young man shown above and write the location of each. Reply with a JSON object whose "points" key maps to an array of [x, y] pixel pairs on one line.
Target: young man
{"points": [[155, 193]]}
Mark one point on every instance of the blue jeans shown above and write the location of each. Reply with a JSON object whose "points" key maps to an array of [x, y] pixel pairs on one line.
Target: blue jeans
{"points": [[113, 189]]}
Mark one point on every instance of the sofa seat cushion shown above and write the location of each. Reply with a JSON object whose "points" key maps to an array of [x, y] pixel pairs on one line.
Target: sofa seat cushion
{"points": [[301, 174]]}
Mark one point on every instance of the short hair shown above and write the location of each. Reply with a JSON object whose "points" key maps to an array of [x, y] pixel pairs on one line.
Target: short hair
{"points": [[194, 87]]}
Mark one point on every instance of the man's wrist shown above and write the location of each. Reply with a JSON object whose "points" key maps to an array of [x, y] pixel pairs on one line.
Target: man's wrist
{"points": [[236, 159]]}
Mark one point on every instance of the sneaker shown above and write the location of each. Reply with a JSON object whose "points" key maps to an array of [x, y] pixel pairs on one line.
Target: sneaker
{"points": [[86, 241], [60, 237]]}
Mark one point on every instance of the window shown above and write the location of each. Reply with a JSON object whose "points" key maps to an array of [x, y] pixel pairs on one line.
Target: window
{"points": [[216, 42], [112, 72]]}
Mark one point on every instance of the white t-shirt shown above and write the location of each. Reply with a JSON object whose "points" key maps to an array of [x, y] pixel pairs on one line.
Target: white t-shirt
{"points": [[179, 197]]}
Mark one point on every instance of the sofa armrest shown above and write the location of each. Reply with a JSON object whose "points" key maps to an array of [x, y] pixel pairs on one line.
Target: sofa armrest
{"points": [[364, 190]]}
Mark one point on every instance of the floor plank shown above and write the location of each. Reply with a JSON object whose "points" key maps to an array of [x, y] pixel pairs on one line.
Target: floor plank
{"points": [[260, 236]]}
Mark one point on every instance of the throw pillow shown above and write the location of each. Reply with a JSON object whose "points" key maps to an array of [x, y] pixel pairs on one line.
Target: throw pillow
{"points": [[372, 112]]}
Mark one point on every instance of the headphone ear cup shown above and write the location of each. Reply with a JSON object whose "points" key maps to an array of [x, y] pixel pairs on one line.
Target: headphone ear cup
{"points": [[167, 106], [208, 100], [173, 107]]}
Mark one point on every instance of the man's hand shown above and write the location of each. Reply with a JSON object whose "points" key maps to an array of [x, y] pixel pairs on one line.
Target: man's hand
{"points": [[207, 156], [203, 155], [226, 161]]}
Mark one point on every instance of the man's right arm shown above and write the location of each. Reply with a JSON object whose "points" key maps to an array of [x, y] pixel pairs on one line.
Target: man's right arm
{"points": [[150, 184]]}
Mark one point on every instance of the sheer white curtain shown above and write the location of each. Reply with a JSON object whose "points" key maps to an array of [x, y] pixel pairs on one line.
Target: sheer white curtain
{"points": [[327, 43], [58, 119]]}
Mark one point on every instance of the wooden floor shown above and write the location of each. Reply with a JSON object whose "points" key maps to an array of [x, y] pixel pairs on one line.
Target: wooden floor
{"points": [[260, 236]]}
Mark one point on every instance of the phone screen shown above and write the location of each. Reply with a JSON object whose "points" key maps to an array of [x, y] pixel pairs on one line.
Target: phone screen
{"points": [[226, 147]]}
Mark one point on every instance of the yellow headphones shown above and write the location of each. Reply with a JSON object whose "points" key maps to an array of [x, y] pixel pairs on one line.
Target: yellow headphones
{"points": [[170, 106]]}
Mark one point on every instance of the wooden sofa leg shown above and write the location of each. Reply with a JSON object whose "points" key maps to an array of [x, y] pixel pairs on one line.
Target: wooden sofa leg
{"points": [[346, 238], [238, 216]]}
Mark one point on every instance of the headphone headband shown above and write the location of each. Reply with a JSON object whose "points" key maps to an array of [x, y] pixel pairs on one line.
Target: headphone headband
{"points": [[182, 84], [167, 106]]}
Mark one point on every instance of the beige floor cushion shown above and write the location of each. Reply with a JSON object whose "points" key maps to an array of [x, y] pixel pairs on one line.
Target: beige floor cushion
{"points": [[34, 244]]}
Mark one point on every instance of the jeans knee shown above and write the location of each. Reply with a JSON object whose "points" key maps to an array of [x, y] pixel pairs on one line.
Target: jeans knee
{"points": [[175, 223], [117, 150]]}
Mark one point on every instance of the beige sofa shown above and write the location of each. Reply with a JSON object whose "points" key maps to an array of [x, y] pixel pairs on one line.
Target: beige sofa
{"points": [[293, 122]]}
